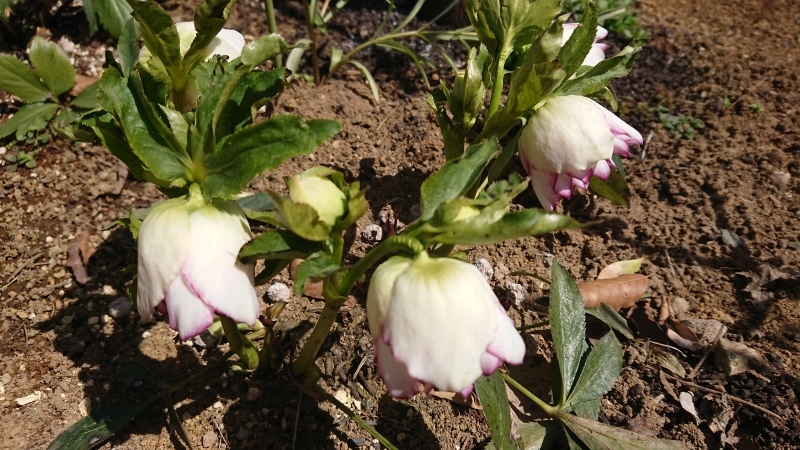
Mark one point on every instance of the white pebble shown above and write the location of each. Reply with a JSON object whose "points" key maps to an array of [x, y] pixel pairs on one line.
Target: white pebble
{"points": [[485, 267], [146, 334], [372, 233], [30, 398], [515, 293], [279, 292]]}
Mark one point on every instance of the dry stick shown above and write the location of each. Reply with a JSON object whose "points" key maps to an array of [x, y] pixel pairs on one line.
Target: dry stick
{"points": [[19, 270], [646, 144], [722, 329], [735, 399], [669, 261]]}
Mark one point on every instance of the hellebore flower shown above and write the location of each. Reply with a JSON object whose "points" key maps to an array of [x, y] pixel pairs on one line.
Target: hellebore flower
{"points": [[598, 51], [228, 43], [436, 321], [568, 140], [319, 193], [188, 265]]}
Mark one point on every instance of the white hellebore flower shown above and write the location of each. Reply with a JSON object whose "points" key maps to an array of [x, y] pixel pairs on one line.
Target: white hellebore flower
{"points": [[568, 140], [188, 266], [228, 43], [598, 51], [436, 321], [319, 193]]}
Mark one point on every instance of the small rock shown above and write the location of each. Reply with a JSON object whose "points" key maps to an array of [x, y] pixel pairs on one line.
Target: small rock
{"points": [[731, 238], [30, 398], [217, 405], [209, 439], [2, 389], [252, 394], [372, 233], [108, 290], [485, 267], [679, 307], [205, 340], [515, 293], [94, 320], [735, 357], [279, 292], [119, 308], [66, 45], [358, 441], [146, 334], [105, 318]]}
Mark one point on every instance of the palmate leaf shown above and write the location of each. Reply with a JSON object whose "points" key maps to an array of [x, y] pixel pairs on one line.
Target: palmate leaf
{"points": [[52, 65], [246, 153], [31, 117], [492, 394], [568, 325], [18, 79]]}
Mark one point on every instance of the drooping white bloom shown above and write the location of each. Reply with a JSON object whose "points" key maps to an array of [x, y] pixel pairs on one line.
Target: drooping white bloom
{"points": [[569, 139], [188, 266], [319, 193], [437, 322], [228, 43], [598, 51]]}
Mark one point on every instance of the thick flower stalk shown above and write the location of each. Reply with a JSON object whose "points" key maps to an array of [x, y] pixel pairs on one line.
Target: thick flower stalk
{"points": [[188, 266], [227, 43], [437, 322], [568, 140], [598, 51]]}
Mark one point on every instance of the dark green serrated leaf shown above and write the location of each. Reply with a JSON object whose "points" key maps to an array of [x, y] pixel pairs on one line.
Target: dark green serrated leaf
{"points": [[492, 394], [601, 74], [18, 79], [530, 222], [597, 376], [281, 244], [599, 436], [101, 424], [112, 14], [257, 202], [568, 326], [530, 84], [272, 267], [538, 16], [52, 65], [87, 99], [535, 435], [33, 117], [209, 19], [577, 47], [128, 47], [611, 318], [615, 189], [159, 33], [455, 177], [113, 139], [142, 137], [243, 155], [316, 266], [254, 90]]}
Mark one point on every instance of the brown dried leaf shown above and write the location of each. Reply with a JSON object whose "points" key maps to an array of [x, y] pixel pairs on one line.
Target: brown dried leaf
{"points": [[681, 335], [81, 83], [618, 293], [78, 257], [471, 402], [618, 268]]}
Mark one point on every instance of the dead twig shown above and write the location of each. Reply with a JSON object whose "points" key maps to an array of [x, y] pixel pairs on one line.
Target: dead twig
{"points": [[716, 392], [19, 270], [696, 369]]}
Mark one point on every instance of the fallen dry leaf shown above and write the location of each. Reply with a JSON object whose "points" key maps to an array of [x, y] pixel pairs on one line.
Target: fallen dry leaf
{"points": [[681, 335], [81, 83], [618, 293], [471, 402], [618, 268], [78, 257]]}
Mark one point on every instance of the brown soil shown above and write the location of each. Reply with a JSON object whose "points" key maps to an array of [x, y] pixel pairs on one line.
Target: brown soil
{"points": [[737, 176]]}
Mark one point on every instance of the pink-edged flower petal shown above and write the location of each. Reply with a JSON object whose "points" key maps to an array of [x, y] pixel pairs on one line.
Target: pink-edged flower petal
{"points": [[186, 312], [621, 129], [595, 56], [211, 267], [621, 148], [563, 186], [602, 170], [394, 373], [162, 249], [490, 363], [506, 344], [602, 33], [544, 190]]}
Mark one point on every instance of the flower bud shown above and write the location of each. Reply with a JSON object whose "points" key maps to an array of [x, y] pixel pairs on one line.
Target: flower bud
{"points": [[598, 51], [319, 193], [188, 264], [437, 322], [568, 140]]}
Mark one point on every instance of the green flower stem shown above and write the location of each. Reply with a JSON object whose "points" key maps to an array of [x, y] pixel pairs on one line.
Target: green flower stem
{"points": [[551, 411], [311, 11], [240, 344], [319, 390], [332, 304], [497, 83], [273, 28]]}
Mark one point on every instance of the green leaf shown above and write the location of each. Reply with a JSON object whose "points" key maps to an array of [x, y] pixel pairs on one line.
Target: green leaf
{"points": [[599, 436], [18, 79], [264, 48], [597, 376], [455, 177], [160, 34], [568, 325], [577, 47], [478, 231], [33, 117], [492, 394], [281, 244], [257, 202], [87, 99], [254, 90], [296, 56], [112, 14], [177, 124], [538, 16], [535, 435], [128, 47], [52, 65], [209, 19], [101, 424], [611, 318], [243, 155], [316, 266], [373, 86], [300, 218], [113, 138], [142, 135], [596, 78], [615, 188]]}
